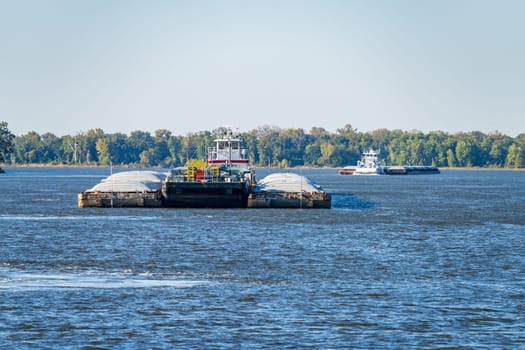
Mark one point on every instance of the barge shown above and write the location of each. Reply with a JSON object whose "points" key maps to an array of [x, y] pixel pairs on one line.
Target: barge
{"points": [[410, 170], [288, 190], [125, 189]]}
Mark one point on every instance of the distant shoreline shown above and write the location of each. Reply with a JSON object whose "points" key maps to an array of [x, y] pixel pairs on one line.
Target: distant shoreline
{"points": [[83, 166], [93, 166]]}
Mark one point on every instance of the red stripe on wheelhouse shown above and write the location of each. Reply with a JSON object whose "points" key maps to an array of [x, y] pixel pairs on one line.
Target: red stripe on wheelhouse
{"points": [[222, 161]]}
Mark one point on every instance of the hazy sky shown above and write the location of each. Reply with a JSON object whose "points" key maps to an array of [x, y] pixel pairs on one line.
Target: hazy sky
{"points": [[67, 66]]}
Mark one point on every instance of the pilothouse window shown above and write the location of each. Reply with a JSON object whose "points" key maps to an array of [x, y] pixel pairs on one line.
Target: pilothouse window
{"points": [[224, 144]]}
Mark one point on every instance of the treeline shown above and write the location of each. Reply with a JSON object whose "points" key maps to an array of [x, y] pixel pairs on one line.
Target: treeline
{"points": [[273, 146]]}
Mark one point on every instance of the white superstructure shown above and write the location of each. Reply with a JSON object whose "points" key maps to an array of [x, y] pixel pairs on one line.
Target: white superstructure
{"points": [[227, 151], [369, 164]]}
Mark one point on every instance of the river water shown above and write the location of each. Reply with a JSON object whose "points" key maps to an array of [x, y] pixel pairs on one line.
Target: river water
{"points": [[399, 262]]}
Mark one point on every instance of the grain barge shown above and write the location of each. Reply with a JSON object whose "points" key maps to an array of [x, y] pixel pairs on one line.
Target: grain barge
{"points": [[288, 190], [125, 189]]}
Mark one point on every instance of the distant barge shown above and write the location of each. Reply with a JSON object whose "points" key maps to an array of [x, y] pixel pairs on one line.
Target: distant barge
{"points": [[410, 170], [371, 165], [396, 170], [226, 182]]}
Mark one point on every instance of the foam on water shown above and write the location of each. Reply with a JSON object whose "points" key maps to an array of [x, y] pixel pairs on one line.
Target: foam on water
{"points": [[16, 280], [75, 217]]}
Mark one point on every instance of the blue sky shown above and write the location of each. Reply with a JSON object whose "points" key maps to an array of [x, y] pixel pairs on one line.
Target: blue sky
{"points": [[187, 66]]}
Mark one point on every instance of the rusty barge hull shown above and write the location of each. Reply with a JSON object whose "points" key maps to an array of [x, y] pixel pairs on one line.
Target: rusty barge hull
{"points": [[119, 199], [198, 199], [290, 200]]}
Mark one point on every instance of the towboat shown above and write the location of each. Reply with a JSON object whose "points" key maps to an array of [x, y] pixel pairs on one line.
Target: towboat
{"points": [[225, 182], [369, 164]]}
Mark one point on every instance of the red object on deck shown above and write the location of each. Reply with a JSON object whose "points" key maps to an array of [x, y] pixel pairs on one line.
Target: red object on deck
{"points": [[199, 175]]}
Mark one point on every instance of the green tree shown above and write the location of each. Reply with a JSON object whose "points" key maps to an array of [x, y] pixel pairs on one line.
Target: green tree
{"points": [[415, 149], [138, 141], [312, 154], [268, 145], [189, 148], [250, 144], [463, 153], [381, 138], [318, 132], [174, 144], [28, 148], [515, 156], [327, 149], [348, 131], [6, 142], [293, 142], [90, 140], [162, 152], [202, 141], [120, 151], [451, 158], [71, 149], [435, 151], [494, 148], [51, 145], [150, 157], [520, 139], [103, 154]]}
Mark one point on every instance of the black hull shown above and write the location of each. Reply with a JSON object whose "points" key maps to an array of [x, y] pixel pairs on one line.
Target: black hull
{"points": [[411, 170], [205, 194]]}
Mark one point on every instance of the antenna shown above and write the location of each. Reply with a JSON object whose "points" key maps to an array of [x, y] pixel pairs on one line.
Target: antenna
{"points": [[301, 193], [111, 181]]}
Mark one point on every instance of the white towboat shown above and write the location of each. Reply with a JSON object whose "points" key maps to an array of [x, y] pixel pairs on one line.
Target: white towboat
{"points": [[369, 164]]}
